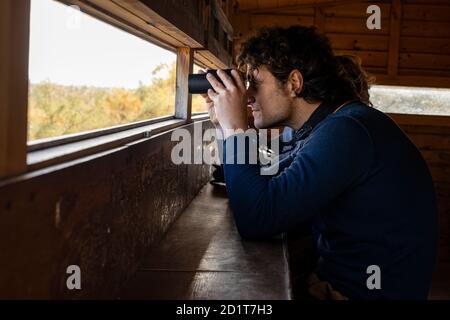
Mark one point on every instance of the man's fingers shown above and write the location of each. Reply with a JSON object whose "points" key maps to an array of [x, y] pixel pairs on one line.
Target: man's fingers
{"points": [[238, 80], [212, 94], [206, 97], [226, 79], [217, 86]]}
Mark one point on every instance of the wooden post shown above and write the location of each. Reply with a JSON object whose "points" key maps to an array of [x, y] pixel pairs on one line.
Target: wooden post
{"points": [[183, 100], [14, 48], [394, 38], [319, 19]]}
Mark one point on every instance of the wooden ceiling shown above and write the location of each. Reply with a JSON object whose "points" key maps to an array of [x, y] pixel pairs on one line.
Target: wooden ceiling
{"points": [[412, 47]]}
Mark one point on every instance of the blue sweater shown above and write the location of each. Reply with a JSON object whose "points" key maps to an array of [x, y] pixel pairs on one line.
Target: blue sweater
{"points": [[366, 190]]}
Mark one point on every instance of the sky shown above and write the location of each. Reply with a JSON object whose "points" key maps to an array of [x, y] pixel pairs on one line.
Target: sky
{"points": [[71, 48]]}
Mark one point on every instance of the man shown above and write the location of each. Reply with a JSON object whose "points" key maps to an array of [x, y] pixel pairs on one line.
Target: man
{"points": [[352, 172]]}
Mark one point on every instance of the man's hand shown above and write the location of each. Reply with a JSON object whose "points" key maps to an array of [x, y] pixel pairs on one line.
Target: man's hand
{"points": [[229, 101]]}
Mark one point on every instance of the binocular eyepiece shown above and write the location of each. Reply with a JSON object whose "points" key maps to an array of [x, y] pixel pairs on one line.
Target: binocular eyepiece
{"points": [[198, 84]]}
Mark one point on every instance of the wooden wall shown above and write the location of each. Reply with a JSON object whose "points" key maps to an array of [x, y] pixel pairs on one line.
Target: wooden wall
{"points": [[431, 134], [101, 213], [412, 47]]}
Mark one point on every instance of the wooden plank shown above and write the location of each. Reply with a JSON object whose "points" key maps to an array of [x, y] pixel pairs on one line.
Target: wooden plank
{"points": [[272, 6], [394, 38], [281, 3], [319, 19], [247, 4], [421, 120], [242, 25], [376, 71], [430, 141], [359, 42], [424, 72], [427, 12], [68, 152], [206, 58], [413, 81], [354, 26], [427, 2], [440, 174], [219, 35], [437, 158], [183, 100], [369, 58], [179, 19], [203, 256], [222, 17], [270, 3], [301, 11], [430, 129], [356, 10], [14, 49], [425, 45], [415, 28], [424, 61], [202, 285], [260, 20], [101, 213]]}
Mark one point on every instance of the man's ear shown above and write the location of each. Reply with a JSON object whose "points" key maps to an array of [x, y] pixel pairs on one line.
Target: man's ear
{"points": [[295, 81]]}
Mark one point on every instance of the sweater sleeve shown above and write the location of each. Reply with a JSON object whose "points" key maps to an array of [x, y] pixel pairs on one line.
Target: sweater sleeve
{"points": [[336, 155]]}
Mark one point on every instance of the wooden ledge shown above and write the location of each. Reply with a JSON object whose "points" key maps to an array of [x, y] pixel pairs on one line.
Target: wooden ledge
{"points": [[203, 257]]}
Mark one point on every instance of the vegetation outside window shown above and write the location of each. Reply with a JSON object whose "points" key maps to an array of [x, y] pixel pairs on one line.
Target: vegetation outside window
{"points": [[86, 74]]}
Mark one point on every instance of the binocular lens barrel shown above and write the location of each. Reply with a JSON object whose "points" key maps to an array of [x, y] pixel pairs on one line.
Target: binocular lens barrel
{"points": [[197, 83]]}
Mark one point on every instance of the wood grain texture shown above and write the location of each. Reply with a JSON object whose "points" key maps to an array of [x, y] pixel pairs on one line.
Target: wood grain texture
{"points": [[14, 48], [411, 48], [183, 100], [203, 257], [101, 212], [394, 38]]}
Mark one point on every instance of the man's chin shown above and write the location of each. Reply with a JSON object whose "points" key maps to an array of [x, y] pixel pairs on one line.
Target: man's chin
{"points": [[261, 125]]}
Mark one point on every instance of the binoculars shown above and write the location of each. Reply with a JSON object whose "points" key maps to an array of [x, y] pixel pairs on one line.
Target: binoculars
{"points": [[198, 84]]}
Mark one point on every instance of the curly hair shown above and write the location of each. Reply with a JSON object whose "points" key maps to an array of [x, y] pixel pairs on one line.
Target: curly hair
{"points": [[326, 77]]}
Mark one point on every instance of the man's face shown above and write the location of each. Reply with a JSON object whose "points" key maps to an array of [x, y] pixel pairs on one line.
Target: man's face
{"points": [[271, 106]]}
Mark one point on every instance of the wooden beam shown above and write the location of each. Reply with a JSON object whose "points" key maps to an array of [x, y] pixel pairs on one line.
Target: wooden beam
{"points": [[222, 17], [420, 119], [413, 81], [183, 100], [319, 19], [394, 37], [14, 48]]}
